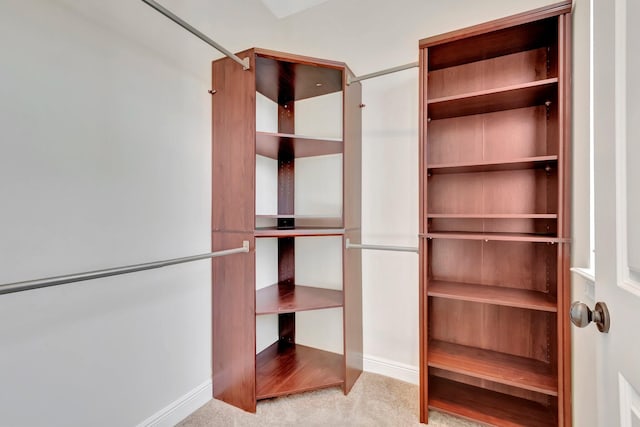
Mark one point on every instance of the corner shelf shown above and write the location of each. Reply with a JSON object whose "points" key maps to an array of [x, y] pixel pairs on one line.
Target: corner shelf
{"points": [[285, 298], [498, 295], [502, 368], [257, 171], [538, 162], [488, 101], [487, 406], [270, 144], [284, 368], [297, 232]]}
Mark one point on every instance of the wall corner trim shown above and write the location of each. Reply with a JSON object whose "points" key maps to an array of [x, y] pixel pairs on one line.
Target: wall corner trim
{"points": [[391, 368], [179, 409]]}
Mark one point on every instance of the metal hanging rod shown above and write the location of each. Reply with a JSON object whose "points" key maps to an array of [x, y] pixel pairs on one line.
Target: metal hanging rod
{"points": [[383, 72], [166, 12], [8, 288], [349, 245]]}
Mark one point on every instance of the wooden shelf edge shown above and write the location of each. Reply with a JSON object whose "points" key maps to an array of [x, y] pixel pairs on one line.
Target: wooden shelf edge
{"points": [[274, 300], [493, 91], [486, 406], [283, 369], [503, 237], [291, 136], [488, 101], [496, 295], [270, 144], [492, 216], [492, 166], [515, 371]]}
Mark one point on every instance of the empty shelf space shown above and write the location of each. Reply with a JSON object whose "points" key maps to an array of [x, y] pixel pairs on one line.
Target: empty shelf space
{"points": [[510, 297], [271, 144], [487, 101], [487, 406], [538, 162], [489, 365], [283, 369], [281, 298], [490, 44], [504, 237], [297, 232]]}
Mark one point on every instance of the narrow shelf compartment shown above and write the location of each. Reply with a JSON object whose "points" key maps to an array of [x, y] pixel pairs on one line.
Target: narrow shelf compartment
{"points": [[269, 144], [297, 232], [491, 44], [311, 221], [283, 369], [488, 406], [510, 297], [280, 298], [538, 162], [502, 368], [492, 216], [488, 101], [504, 237]]}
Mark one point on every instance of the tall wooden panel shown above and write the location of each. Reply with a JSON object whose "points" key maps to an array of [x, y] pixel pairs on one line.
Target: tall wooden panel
{"points": [[353, 229], [240, 376], [494, 220]]}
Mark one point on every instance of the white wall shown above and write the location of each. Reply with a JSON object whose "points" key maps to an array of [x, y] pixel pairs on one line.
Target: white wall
{"points": [[105, 161], [370, 36]]}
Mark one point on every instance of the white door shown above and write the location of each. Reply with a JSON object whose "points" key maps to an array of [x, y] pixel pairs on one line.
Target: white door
{"points": [[616, 49]]}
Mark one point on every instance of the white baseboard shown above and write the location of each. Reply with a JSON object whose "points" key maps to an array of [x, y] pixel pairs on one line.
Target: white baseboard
{"points": [[175, 412], [390, 368]]}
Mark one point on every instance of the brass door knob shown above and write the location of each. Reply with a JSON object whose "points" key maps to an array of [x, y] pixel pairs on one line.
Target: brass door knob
{"points": [[581, 315]]}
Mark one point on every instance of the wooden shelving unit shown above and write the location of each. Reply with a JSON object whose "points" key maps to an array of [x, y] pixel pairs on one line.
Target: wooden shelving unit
{"points": [[240, 376], [494, 220]]}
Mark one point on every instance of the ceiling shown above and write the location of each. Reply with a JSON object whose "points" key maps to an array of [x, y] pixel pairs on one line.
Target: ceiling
{"points": [[284, 8]]}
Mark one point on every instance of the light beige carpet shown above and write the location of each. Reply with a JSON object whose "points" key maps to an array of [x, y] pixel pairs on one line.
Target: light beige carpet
{"points": [[375, 400]]}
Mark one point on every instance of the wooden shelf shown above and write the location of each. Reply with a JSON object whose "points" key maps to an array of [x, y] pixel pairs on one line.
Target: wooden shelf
{"points": [[504, 237], [297, 232], [492, 216], [487, 406], [528, 374], [308, 221], [487, 101], [538, 162], [270, 144], [283, 369], [284, 77], [281, 298], [497, 295]]}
